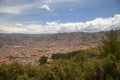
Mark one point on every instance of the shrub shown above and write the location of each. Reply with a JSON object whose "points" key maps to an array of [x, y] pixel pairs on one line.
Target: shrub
{"points": [[43, 60], [64, 56], [58, 56]]}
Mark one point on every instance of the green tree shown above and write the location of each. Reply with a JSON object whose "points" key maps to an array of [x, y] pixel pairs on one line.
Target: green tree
{"points": [[43, 60], [111, 44], [59, 56]]}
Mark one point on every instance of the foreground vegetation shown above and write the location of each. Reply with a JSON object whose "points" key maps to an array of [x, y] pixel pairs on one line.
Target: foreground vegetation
{"points": [[101, 63]]}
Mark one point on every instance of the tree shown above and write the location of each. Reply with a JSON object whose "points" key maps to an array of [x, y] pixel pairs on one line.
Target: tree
{"points": [[111, 44], [59, 56], [43, 60]]}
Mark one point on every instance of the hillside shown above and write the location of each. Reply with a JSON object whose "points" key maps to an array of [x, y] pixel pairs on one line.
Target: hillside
{"points": [[29, 47]]}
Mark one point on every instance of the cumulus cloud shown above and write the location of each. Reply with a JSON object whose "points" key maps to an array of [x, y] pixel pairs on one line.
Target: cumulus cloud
{"points": [[96, 25]]}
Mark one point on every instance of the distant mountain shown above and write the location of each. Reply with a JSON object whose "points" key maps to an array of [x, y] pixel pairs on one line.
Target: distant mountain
{"points": [[75, 38], [18, 38]]}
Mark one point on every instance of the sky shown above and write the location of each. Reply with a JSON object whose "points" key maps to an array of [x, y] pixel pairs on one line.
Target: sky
{"points": [[58, 16]]}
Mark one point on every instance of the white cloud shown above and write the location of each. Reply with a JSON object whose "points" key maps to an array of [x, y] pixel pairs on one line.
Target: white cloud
{"points": [[21, 8], [10, 29], [54, 1], [11, 10], [18, 7], [19, 25], [15, 9], [50, 1], [98, 24], [47, 7]]}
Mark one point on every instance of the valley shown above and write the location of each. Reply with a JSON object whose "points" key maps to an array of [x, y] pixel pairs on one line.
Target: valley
{"points": [[28, 48]]}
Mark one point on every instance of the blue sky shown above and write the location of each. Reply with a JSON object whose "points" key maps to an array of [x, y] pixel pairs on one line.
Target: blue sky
{"points": [[24, 13]]}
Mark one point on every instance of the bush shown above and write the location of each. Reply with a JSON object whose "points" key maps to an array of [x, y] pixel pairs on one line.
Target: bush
{"points": [[64, 56], [43, 60], [59, 56]]}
